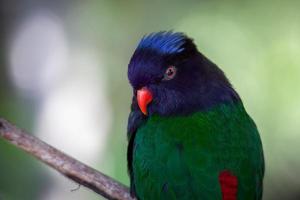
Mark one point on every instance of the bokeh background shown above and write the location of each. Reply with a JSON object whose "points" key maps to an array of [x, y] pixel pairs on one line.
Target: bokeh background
{"points": [[63, 77]]}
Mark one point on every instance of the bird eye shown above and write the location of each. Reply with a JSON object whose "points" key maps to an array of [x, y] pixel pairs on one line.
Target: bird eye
{"points": [[170, 73]]}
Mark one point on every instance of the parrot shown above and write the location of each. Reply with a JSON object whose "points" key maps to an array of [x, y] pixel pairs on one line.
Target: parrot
{"points": [[189, 135]]}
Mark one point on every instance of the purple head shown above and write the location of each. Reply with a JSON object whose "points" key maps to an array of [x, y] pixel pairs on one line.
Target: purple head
{"points": [[170, 76]]}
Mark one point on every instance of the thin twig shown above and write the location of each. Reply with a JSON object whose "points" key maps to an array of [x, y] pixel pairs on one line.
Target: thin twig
{"points": [[66, 165]]}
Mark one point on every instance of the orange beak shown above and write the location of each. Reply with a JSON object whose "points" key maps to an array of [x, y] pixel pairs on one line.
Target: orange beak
{"points": [[144, 97]]}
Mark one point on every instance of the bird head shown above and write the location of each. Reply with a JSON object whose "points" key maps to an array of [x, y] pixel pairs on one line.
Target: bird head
{"points": [[170, 76]]}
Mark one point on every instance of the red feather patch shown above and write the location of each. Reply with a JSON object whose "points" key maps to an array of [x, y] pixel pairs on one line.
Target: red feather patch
{"points": [[229, 185]]}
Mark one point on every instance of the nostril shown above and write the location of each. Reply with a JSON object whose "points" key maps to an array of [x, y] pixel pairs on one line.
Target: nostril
{"points": [[138, 88]]}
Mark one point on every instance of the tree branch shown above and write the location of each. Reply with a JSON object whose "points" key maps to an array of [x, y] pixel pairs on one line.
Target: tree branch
{"points": [[66, 165]]}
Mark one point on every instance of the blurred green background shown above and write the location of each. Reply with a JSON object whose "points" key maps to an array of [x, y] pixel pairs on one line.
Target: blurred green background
{"points": [[63, 77]]}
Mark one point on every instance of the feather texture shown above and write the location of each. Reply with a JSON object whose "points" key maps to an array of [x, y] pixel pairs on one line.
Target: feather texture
{"points": [[182, 157]]}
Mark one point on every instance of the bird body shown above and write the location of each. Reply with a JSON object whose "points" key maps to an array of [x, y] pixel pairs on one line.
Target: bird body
{"points": [[189, 134], [182, 157]]}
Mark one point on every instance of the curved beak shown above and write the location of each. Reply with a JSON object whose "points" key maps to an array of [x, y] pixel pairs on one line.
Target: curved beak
{"points": [[144, 97]]}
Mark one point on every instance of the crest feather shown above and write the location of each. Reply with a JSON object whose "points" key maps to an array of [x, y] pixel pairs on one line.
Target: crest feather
{"points": [[165, 42]]}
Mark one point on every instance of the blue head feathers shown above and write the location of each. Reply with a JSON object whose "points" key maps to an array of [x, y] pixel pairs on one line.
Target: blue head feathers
{"points": [[164, 42]]}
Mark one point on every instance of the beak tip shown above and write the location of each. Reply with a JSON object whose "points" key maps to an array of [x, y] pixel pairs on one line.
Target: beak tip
{"points": [[144, 97]]}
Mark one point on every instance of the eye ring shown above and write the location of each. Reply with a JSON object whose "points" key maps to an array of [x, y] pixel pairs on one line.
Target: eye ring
{"points": [[170, 73]]}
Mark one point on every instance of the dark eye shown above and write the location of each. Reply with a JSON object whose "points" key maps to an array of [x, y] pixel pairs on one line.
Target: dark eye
{"points": [[170, 73]]}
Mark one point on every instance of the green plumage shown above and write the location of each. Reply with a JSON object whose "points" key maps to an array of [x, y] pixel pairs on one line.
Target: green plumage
{"points": [[181, 157]]}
